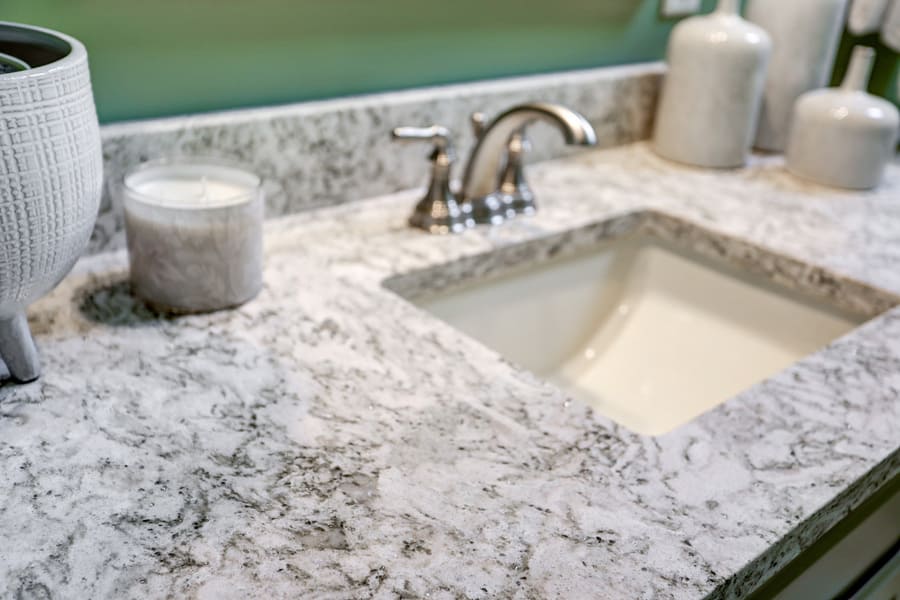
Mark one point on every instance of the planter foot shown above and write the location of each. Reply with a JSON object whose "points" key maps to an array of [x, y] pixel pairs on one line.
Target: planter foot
{"points": [[17, 349]]}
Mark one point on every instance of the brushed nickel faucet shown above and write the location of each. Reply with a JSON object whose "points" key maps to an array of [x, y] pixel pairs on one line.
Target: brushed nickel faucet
{"points": [[496, 160], [493, 186]]}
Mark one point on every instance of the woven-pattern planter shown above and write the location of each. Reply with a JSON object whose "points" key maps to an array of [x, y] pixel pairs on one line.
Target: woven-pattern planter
{"points": [[51, 174]]}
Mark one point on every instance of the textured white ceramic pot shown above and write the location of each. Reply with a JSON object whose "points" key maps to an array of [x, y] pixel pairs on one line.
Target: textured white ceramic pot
{"points": [[804, 36], [50, 177], [843, 136], [711, 95]]}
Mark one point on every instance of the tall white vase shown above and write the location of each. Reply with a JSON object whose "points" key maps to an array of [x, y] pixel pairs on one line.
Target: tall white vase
{"points": [[711, 95], [804, 36], [51, 174]]}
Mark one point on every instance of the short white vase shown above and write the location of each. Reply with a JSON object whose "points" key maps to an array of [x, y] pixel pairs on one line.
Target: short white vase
{"points": [[843, 136], [804, 36], [711, 94], [51, 174]]}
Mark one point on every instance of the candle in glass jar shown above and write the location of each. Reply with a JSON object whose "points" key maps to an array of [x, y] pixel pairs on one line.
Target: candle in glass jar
{"points": [[194, 231]]}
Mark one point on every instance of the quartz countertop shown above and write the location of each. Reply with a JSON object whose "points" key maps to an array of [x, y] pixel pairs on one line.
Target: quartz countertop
{"points": [[329, 439]]}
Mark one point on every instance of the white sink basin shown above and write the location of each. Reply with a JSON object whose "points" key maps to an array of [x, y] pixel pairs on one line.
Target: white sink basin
{"points": [[646, 334]]}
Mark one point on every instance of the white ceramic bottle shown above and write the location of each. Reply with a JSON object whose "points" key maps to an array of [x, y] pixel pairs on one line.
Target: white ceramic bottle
{"points": [[890, 28], [866, 16], [711, 95], [804, 36], [843, 136]]}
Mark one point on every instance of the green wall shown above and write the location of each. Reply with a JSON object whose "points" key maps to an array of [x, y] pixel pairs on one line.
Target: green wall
{"points": [[163, 57]]}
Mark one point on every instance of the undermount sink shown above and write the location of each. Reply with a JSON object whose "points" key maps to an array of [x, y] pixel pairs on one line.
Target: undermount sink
{"points": [[649, 334]]}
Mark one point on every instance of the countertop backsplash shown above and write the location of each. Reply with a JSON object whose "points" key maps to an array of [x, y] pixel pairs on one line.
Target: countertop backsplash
{"points": [[318, 154]]}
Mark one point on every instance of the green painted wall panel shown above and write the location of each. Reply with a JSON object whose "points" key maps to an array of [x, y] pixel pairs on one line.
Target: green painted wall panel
{"points": [[163, 57]]}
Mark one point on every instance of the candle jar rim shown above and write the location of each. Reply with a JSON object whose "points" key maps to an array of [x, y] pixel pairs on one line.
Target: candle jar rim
{"points": [[253, 181]]}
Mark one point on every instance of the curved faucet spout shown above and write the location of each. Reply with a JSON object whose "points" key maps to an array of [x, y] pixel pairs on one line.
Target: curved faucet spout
{"points": [[487, 158]]}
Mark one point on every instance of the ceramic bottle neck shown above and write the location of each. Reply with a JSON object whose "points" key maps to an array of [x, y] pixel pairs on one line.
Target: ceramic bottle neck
{"points": [[857, 76], [728, 7]]}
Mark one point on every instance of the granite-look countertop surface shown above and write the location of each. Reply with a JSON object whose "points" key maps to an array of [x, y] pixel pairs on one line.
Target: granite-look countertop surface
{"points": [[328, 439]]}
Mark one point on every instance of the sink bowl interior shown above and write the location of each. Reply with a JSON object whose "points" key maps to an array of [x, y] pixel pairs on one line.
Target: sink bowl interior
{"points": [[649, 334]]}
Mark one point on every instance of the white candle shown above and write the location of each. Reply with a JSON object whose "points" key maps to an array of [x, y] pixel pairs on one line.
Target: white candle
{"points": [[194, 232]]}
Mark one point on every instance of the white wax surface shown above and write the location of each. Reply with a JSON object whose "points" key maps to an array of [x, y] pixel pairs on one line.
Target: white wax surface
{"points": [[188, 193], [192, 186]]}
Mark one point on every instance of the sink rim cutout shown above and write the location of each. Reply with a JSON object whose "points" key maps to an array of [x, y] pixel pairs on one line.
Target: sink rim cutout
{"points": [[840, 303]]}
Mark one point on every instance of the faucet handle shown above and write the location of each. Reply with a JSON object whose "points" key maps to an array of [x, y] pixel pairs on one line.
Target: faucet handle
{"points": [[515, 193], [478, 121], [438, 211], [436, 134]]}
